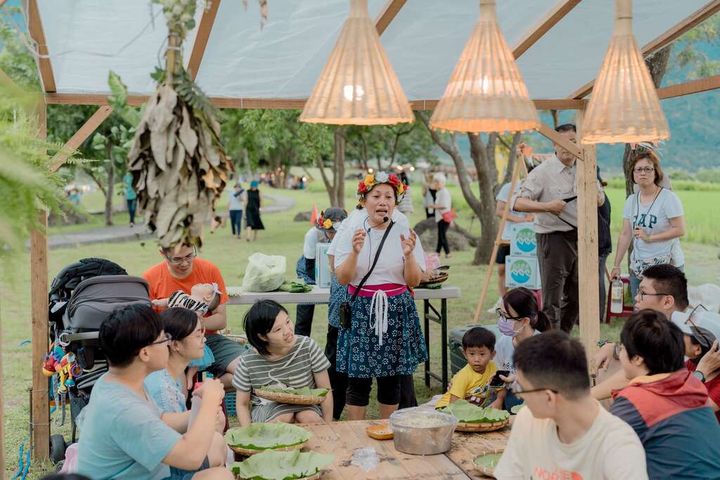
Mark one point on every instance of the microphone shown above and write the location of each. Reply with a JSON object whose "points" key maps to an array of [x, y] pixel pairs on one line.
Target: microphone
{"points": [[385, 219]]}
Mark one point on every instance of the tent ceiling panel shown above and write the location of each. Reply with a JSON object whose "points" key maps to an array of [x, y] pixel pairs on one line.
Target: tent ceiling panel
{"points": [[86, 38]]}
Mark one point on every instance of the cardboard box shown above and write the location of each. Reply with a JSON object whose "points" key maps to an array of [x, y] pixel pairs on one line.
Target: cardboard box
{"points": [[322, 267], [522, 272], [522, 240]]}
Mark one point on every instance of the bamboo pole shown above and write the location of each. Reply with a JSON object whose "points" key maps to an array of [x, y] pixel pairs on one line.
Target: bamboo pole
{"points": [[589, 284], [519, 163]]}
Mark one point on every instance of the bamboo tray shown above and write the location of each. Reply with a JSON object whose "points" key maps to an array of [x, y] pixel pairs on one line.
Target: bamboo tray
{"points": [[489, 471], [289, 398], [481, 427]]}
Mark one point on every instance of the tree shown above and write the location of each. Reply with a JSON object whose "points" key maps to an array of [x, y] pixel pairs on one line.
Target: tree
{"points": [[482, 154], [402, 143]]}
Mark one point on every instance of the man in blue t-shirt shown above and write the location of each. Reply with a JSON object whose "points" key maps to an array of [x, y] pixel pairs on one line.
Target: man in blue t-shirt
{"points": [[122, 435]]}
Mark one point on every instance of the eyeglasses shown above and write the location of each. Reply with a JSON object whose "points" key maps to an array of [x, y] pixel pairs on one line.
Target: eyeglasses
{"points": [[500, 313], [518, 390], [168, 338], [644, 170], [186, 259], [645, 294]]}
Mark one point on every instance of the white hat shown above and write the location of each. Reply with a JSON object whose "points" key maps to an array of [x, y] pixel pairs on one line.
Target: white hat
{"points": [[699, 324]]}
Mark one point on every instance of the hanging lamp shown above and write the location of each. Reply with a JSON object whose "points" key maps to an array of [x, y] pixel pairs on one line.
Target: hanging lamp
{"points": [[486, 92], [358, 85], [624, 106]]}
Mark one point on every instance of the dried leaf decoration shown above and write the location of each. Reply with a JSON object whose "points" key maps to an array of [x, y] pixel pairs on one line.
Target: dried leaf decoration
{"points": [[178, 163]]}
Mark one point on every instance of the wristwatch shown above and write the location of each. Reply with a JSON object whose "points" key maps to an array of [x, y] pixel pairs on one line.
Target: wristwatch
{"points": [[699, 375]]}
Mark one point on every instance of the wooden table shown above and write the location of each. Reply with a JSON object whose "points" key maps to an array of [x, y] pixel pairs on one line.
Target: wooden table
{"points": [[430, 313], [344, 438]]}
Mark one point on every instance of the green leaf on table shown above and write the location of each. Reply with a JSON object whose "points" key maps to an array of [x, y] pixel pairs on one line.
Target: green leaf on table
{"points": [[264, 436], [488, 460], [304, 391], [467, 412], [282, 465]]}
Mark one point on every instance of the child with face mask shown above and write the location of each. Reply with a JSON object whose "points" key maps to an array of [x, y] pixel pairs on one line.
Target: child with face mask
{"points": [[519, 318]]}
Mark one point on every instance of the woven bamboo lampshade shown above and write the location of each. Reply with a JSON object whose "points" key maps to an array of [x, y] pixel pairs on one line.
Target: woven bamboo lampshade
{"points": [[486, 92], [624, 107], [358, 85]]}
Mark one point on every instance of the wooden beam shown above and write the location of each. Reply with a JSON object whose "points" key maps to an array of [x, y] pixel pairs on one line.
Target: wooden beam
{"points": [[665, 39], [80, 136], [687, 88], [202, 36], [547, 23], [388, 14], [40, 421], [38, 35], [589, 279], [558, 139]]}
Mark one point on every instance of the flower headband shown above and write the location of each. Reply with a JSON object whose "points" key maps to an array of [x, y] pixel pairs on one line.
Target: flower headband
{"points": [[327, 223], [373, 179]]}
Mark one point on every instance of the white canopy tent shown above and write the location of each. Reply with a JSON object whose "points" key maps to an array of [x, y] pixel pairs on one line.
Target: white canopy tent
{"points": [[558, 44]]}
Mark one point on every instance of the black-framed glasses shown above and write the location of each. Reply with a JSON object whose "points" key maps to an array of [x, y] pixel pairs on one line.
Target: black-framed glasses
{"points": [[186, 259], [167, 338], [500, 313], [644, 169], [518, 390], [645, 294]]}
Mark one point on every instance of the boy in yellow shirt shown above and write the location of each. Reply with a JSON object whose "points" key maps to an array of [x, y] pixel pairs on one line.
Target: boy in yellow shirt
{"points": [[472, 381]]}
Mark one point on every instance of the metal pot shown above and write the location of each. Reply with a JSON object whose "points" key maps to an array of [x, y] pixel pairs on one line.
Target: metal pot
{"points": [[420, 431]]}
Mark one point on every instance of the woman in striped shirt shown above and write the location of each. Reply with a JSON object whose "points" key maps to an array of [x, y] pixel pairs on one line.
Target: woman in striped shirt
{"points": [[279, 358]]}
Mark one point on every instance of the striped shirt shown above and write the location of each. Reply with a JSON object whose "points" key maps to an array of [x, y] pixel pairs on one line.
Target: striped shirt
{"points": [[294, 370]]}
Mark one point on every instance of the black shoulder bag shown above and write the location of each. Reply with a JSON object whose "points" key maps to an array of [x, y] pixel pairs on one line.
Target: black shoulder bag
{"points": [[345, 312]]}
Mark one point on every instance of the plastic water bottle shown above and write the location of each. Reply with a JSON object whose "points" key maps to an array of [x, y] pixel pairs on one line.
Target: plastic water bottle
{"points": [[616, 292], [195, 402]]}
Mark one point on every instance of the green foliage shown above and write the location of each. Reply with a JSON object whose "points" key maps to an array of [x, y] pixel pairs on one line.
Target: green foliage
{"points": [[468, 412], [709, 175], [282, 465], [263, 436], [695, 60], [389, 145]]}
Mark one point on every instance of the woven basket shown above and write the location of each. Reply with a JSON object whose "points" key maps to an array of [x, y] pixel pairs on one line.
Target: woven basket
{"points": [[481, 427], [289, 398], [436, 277], [489, 471], [251, 451]]}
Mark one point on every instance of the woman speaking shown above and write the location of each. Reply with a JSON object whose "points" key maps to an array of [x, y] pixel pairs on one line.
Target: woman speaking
{"points": [[379, 257]]}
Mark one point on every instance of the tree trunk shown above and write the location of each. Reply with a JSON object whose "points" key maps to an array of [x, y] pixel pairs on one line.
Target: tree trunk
{"points": [[657, 64], [507, 177], [110, 188], [339, 170], [483, 155]]}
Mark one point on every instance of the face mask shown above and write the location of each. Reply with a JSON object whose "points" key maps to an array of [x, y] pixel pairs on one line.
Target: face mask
{"points": [[506, 327]]}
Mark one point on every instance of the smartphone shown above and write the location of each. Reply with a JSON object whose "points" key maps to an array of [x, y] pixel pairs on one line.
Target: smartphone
{"points": [[497, 381]]}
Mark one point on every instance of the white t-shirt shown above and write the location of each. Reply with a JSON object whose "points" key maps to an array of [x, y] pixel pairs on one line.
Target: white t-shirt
{"points": [[391, 265], [655, 218], [442, 198], [312, 238], [609, 450], [343, 225], [236, 202], [504, 196], [504, 351]]}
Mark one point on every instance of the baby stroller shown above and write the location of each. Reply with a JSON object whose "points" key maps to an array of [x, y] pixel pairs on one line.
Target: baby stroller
{"points": [[81, 297]]}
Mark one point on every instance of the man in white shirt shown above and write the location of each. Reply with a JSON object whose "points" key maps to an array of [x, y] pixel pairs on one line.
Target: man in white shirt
{"points": [[563, 432]]}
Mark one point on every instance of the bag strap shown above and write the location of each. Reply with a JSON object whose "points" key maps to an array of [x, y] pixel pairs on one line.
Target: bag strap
{"points": [[372, 267]]}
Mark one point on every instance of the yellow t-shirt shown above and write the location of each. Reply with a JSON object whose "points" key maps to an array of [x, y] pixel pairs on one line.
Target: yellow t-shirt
{"points": [[467, 382]]}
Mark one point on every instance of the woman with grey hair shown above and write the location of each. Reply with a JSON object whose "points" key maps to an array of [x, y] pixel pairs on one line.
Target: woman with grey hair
{"points": [[443, 204]]}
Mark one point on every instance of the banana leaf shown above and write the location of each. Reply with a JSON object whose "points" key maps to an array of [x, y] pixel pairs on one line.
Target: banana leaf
{"points": [[282, 465], [467, 412], [304, 391], [296, 286], [264, 436]]}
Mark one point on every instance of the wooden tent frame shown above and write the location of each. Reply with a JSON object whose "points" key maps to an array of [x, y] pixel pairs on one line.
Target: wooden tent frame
{"points": [[586, 186]]}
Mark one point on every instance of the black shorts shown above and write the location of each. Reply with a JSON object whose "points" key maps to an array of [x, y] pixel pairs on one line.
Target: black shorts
{"points": [[503, 251]]}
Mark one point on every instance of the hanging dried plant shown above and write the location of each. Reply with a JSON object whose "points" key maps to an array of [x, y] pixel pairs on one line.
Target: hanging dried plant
{"points": [[178, 163]]}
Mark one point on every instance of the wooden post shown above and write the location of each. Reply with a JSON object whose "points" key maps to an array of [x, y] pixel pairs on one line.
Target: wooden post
{"points": [[40, 421], [588, 286], [519, 163]]}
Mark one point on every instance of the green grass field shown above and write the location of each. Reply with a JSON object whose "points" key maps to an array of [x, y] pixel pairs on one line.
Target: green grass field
{"points": [[284, 237]]}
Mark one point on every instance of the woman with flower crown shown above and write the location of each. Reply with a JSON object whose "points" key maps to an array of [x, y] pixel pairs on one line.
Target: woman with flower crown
{"points": [[323, 232], [380, 258]]}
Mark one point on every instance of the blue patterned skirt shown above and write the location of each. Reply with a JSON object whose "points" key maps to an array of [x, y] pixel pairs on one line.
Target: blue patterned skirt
{"points": [[338, 295], [403, 349]]}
